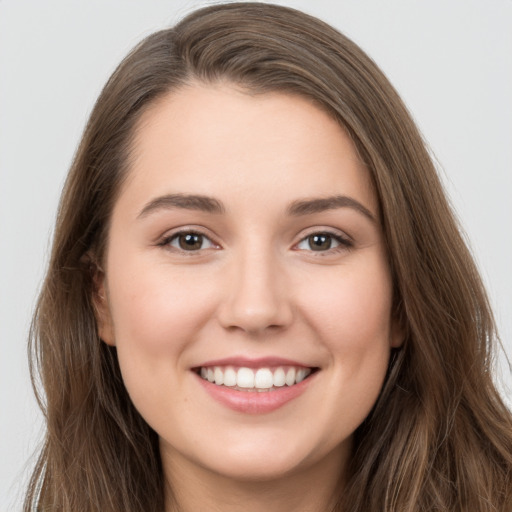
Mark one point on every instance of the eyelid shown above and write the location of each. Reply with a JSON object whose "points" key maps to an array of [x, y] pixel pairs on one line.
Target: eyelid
{"points": [[345, 241], [168, 236], [335, 232]]}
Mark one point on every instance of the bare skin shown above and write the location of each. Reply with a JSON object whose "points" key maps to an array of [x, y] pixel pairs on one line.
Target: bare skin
{"points": [[195, 488]]}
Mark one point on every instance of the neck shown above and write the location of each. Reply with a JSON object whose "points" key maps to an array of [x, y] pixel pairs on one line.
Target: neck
{"points": [[313, 489]]}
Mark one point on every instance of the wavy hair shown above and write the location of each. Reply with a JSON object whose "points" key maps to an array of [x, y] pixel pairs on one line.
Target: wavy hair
{"points": [[439, 437]]}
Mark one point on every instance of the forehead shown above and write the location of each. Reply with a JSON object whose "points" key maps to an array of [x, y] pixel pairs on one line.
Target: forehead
{"points": [[218, 139]]}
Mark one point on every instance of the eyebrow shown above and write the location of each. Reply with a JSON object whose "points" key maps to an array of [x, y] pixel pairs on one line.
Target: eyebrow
{"points": [[318, 205], [211, 205], [183, 201]]}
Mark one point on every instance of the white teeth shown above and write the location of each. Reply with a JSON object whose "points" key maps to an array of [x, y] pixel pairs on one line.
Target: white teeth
{"points": [[229, 377], [245, 378], [301, 375], [279, 378], [290, 377], [219, 376], [262, 379]]}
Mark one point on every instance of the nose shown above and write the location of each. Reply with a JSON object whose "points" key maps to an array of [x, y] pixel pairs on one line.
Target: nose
{"points": [[256, 296]]}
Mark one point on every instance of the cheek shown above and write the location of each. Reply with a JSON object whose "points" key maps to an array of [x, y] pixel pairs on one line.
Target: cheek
{"points": [[155, 317], [352, 307], [156, 308], [351, 312]]}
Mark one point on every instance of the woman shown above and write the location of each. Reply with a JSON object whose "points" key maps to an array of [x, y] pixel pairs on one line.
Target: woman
{"points": [[258, 297]]}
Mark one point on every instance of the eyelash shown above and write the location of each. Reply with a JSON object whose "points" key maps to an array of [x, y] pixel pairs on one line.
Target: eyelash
{"points": [[167, 241], [344, 242]]}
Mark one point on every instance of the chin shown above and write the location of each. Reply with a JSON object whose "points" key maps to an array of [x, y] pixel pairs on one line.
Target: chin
{"points": [[267, 460], [260, 469]]}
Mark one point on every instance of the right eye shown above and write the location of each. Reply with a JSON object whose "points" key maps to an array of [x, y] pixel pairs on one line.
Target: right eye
{"points": [[188, 241]]}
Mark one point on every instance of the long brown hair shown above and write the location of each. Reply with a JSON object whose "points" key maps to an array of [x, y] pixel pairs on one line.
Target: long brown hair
{"points": [[439, 437]]}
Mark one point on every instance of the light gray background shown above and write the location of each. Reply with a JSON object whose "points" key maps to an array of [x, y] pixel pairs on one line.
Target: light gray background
{"points": [[449, 59]]}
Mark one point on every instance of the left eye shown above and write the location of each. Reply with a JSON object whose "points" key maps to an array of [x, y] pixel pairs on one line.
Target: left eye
{"points": [[189, 241], [321, 242]]}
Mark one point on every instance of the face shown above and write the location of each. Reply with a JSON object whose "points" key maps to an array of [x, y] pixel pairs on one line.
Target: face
{"points": [[246, 285]]}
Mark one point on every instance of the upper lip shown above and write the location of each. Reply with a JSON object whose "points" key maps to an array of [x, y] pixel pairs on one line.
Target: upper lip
{"points": [[260, 362]]}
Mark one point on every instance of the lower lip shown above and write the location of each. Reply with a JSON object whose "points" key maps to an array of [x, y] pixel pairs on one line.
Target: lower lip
{"points": [[254, 402]]}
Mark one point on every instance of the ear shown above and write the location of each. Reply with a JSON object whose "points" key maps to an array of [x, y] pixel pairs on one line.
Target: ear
{"points": [[102, 307], [398, 331], [397, 334]]}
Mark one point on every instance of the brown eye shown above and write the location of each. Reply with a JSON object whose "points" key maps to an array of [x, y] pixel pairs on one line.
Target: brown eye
{"points": [[319, 242], [324, 242], [188, 241]]}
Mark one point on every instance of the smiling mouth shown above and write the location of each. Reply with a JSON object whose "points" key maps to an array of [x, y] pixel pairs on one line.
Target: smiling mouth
{"points": [[255, 379]]}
